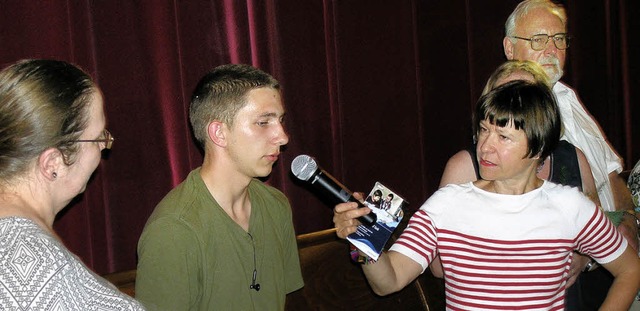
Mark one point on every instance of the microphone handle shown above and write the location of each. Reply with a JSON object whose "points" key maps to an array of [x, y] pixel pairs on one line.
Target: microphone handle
{"points": [[325, 181]]}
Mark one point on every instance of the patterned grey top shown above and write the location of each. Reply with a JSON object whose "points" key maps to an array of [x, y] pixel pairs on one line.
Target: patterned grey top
{"points": [[38, 273], [634, 185]]}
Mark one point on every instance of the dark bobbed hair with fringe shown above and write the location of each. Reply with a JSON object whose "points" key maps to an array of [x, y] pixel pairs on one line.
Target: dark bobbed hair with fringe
{"points": [[526, 106]]}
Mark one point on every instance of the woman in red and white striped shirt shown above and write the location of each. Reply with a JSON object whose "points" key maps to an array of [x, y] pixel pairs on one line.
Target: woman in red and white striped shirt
{"points": [[506, 242]]}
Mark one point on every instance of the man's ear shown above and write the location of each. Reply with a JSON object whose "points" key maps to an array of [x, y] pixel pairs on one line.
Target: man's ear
{"points": [[217, 132], [507, 45], [50, 163]]}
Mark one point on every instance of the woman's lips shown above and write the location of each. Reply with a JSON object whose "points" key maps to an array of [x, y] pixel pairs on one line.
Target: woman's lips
{"points": [[486, 163]]}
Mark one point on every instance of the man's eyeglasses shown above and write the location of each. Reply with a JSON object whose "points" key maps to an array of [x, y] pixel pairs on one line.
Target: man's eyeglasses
{"points": [[106, 139], [539, 42]]}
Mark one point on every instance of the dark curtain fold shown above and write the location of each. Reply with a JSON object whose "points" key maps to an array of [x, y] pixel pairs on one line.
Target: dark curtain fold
{"points": [[375, 90]]}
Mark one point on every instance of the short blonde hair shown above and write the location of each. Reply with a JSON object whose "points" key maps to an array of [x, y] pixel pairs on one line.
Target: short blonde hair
{"points": [[512, 66]]}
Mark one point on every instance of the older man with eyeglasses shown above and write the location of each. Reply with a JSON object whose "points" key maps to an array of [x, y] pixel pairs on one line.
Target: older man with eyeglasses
{"points": [[537, 31]]}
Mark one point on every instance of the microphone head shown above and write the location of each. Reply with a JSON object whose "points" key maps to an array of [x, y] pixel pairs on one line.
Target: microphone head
{"points": [[303, 167]]}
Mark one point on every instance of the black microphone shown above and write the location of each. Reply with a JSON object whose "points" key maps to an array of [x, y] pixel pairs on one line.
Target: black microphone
{"points": [[253, 285], [305, 168], [253, 282]]}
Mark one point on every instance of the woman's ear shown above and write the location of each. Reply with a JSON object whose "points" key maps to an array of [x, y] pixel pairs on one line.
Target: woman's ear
{"points": [[50, 163], [538, 155], [217, 132]]}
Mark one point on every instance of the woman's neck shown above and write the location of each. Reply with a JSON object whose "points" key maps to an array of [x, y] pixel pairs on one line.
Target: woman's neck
{"points": [[15, 204]]}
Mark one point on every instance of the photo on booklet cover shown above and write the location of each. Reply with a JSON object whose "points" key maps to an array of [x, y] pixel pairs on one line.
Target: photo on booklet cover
{"points": [[388, 207]]}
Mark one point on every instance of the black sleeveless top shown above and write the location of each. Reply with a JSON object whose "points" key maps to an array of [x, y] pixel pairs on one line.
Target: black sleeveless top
{"points": [[565, 169]]}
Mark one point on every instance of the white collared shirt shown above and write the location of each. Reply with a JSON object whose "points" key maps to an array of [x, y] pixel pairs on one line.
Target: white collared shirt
{"points": [[583, 131]]}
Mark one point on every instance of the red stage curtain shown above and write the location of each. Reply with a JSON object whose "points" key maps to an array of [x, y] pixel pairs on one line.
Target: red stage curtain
{"points": [[375, 90]]}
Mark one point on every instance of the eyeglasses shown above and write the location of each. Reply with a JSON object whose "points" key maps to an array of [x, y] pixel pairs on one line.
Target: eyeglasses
{"points": [[539, 42], [107, 139]]}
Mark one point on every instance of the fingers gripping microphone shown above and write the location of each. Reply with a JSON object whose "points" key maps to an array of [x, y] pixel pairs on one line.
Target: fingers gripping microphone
{"points": [[305, 168]]}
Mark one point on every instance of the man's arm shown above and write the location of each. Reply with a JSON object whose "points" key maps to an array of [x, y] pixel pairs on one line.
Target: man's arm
{"points": [[291, 260], [621, 194], [168, 260], [622, 198]]}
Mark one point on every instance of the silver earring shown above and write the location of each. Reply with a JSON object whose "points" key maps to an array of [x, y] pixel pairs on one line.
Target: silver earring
{"points": [[54, 175]]}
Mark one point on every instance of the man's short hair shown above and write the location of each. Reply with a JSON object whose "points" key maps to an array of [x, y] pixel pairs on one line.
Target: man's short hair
{"points": [[528, 106], [525, 7], [221, 93]]}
